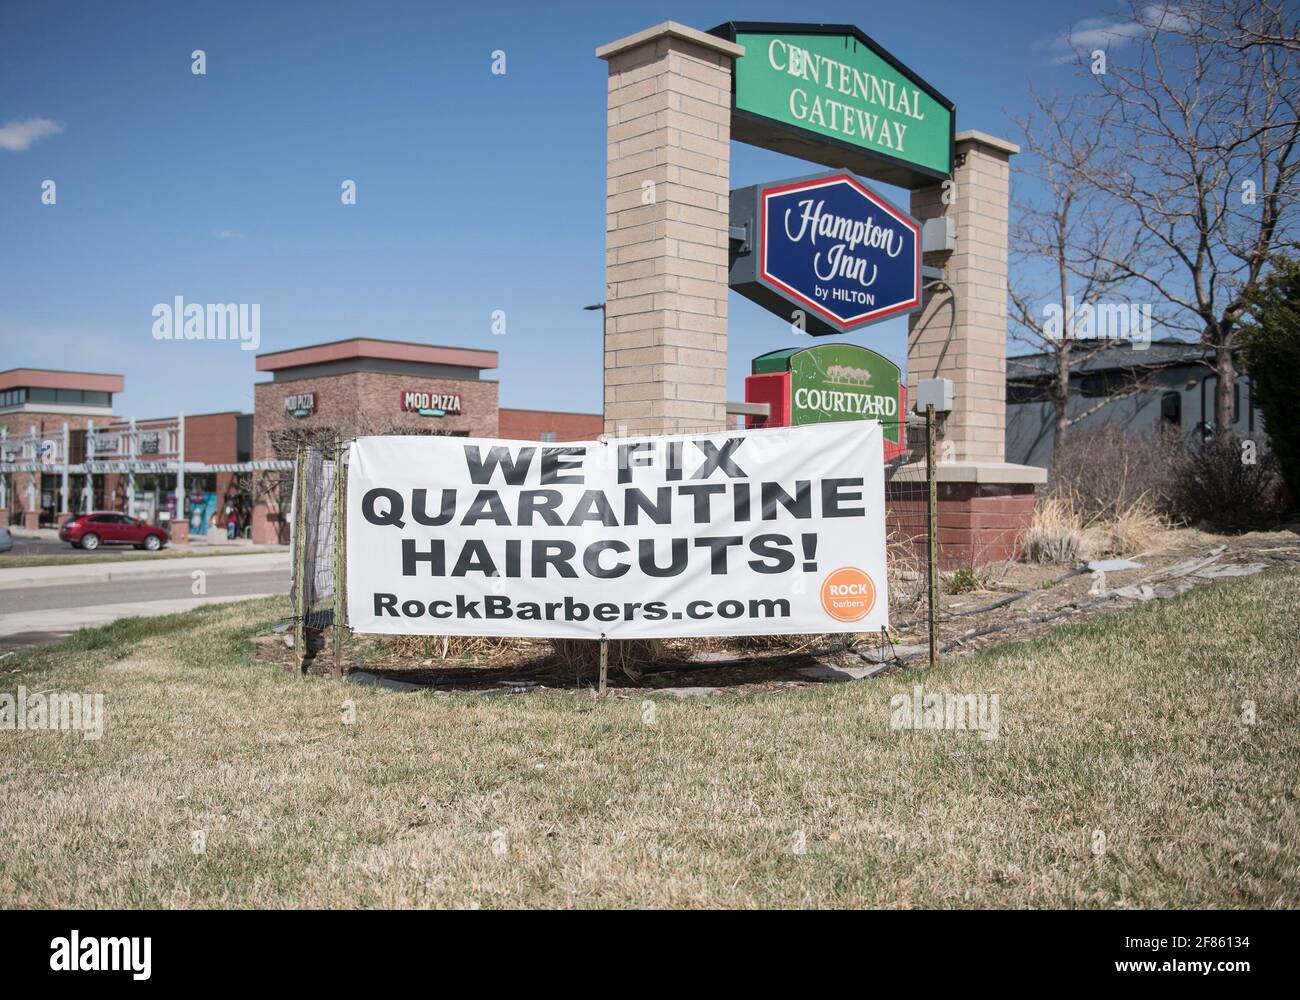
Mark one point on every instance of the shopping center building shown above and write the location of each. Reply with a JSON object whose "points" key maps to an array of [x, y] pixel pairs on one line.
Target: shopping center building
{"points": [[362, 385], [64, 450]]}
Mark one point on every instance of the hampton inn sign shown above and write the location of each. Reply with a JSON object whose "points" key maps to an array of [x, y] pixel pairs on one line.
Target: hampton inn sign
{"points": [[826, 252]]}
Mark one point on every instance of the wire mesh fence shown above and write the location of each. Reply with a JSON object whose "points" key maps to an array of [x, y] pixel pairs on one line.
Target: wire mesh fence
{"points": [[318, 535], [317, 539], [907, 521]]}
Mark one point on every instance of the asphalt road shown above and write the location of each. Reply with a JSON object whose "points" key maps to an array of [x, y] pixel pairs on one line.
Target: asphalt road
{"points": [[132, 590], [39, 615], [52, 546], [34, 547]]}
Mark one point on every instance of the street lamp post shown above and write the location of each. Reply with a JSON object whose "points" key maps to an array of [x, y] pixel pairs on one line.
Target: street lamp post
{"points": [[604, 332]]}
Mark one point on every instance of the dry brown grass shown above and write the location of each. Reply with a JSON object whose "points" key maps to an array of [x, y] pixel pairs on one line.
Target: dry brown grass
{"points": [[1056, 534], [1063, 533], [1132, 530], [905, 566], [629, 656], [1131, 726], [442, 647]]}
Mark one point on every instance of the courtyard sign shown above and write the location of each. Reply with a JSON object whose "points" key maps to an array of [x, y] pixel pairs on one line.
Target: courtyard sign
{"points": [[830, 383], [828, 93], [826, 253]]}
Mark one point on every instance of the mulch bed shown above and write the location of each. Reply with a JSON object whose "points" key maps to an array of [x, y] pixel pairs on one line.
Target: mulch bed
{"points": [[969, 622]]}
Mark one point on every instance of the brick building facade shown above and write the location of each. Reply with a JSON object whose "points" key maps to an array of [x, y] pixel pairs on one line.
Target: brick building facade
{"points": [[364, 403], [364, 385], [341, 389], [548, 425], [46, 401]]}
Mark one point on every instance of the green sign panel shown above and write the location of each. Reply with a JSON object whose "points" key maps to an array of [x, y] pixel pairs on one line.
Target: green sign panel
{"points": [[829, 94], [829, 383]]}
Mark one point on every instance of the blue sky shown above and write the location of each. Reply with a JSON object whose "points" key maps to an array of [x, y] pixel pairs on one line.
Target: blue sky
{"points": [[475, 192]]}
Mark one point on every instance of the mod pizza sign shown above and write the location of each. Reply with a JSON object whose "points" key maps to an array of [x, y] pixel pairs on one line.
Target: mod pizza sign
{"points": [[431, 404], [302, 404], [827, 253]]}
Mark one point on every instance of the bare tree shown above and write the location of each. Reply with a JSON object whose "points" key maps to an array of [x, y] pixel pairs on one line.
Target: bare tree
{"points": [[1059, 226], [1204, 162], [1251, 23], [274, 487]]}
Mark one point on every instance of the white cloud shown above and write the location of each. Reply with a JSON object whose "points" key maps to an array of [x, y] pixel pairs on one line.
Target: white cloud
{"points": [[228, 234], [1112, 33], [16, 136]]}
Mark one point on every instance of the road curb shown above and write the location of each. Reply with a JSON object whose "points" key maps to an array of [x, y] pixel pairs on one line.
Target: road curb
{"points": [[60, 576]]}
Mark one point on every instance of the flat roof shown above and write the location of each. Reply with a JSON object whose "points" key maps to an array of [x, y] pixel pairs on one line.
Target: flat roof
{"points": [[51, 378], [1108, 356], [215, 413], [370, 347], [556, 413]]}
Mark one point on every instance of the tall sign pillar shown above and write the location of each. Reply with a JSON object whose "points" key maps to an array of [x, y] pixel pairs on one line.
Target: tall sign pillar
{"points": [[961, 334], [970, 346], [667, 219]]}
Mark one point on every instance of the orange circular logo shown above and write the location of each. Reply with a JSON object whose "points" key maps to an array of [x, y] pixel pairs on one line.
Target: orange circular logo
{"points": [[848, 594]]}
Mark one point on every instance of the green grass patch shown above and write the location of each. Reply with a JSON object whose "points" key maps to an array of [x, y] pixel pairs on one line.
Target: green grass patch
{"points": [[1145, 759]]}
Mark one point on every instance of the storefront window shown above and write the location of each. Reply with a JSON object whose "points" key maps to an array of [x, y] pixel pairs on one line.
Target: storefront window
{"points": [[82, 397]]}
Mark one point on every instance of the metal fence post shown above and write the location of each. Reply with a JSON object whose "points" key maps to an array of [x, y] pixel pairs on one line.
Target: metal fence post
{"points": [[932, 555], [299, 540], [340, 561], [604, 663]]}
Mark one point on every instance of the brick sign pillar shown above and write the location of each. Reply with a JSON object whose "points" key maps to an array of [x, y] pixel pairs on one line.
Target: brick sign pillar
{"points": [[667, 212], [984, 502], [976, 272]]}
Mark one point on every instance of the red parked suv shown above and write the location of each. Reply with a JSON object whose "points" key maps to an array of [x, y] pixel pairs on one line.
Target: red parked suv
{"points": [[90, 531]]}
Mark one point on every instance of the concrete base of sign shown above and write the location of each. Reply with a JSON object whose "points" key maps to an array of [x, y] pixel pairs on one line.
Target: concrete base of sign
{"points": [[4, 517], [975, 472], [983, 509], [180, 531], [32, 520]]}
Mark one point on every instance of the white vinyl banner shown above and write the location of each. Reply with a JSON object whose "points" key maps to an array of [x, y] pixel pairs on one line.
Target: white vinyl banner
{"points": [[732, 533]]}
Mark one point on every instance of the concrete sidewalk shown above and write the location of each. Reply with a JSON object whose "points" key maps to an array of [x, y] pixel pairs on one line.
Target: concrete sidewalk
{"points": [[51, 576]]}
